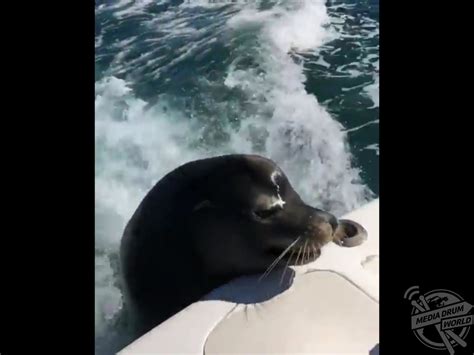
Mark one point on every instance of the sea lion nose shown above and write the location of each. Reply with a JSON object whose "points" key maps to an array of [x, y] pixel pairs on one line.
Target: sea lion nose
{"points": [[334, 223], [328, 218]]}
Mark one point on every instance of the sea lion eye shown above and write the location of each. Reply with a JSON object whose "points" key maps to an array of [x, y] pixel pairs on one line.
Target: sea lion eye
{"points": [[267, 212], [202, 204]]}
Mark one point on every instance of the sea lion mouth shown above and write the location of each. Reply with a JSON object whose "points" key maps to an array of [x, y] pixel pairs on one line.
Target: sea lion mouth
{"points": [[299, 253], [304, 249], [293, 255]]}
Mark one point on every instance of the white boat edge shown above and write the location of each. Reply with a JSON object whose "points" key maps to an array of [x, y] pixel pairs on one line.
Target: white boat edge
{"points": [[195, 329]]}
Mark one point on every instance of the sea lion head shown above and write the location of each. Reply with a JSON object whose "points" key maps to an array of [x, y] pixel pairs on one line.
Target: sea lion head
{"points": [[250, 214], [209, 221]]}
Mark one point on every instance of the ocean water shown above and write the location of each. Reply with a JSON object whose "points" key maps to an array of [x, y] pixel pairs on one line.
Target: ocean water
{"points": [[294, 80]]}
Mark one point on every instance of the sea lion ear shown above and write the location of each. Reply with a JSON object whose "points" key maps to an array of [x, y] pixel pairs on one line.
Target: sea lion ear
{"points": [[202, 204]]}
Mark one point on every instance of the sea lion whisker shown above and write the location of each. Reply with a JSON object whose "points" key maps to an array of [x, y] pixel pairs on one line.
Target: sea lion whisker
{"points": [[275, 262], [286, 267], [270, 268], [298, 256], [303, 259]]}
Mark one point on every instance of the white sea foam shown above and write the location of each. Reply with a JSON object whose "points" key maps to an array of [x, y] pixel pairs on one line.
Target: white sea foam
{"points": [[302, 137]]}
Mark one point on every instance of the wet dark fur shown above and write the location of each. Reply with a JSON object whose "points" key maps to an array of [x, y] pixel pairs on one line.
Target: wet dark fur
{"points": [[199, 227]]}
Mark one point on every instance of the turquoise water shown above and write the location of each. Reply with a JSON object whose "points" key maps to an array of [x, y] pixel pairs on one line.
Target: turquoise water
{"points": [[293, 80]]}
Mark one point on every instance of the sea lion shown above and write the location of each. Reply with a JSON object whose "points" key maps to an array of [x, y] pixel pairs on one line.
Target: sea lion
{"points": [[210, 221]]}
